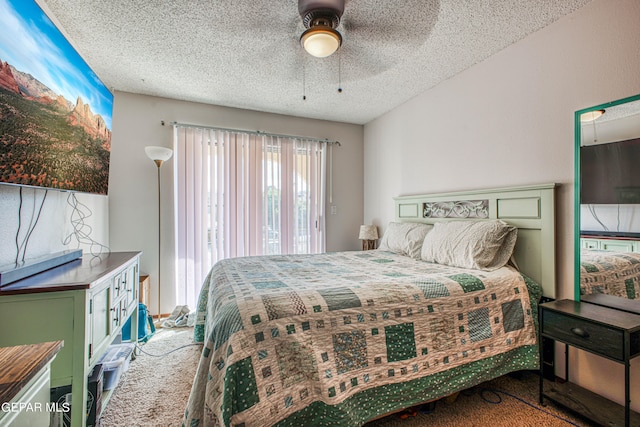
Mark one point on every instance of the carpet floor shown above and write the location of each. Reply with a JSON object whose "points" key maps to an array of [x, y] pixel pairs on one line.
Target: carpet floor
{"points": [[154, 392], [155, 389]]}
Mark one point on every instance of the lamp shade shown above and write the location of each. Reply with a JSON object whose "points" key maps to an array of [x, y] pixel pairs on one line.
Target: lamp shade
{"points": [[156, 153], [368, 232], [321, 41]]}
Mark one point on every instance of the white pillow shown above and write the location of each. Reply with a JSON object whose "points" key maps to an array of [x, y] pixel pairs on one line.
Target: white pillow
{"points": [[404, 238], [483, 245]]}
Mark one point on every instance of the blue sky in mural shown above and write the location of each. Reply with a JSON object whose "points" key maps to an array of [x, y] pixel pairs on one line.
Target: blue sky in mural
{"points": [[32, 44]]}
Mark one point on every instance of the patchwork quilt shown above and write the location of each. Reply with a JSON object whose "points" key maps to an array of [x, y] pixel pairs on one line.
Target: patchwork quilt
{"points": [[338, 339], [611, 273]]}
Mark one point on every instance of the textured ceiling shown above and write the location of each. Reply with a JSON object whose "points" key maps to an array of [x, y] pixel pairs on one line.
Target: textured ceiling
{"points": [[246, 53], [620, 111]]}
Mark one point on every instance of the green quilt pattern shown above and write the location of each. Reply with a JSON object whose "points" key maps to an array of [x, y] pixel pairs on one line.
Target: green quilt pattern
{"points": [[340, 338], [611, 273]]}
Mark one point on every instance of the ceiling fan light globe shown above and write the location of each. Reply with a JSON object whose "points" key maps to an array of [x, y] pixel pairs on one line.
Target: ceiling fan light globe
{"points": [[321, 42], [590, 116]]}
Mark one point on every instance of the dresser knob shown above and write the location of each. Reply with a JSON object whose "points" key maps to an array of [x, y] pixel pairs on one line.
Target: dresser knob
{"points": [[580, 332]]}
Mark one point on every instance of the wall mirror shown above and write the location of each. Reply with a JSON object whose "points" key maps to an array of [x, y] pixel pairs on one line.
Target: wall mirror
{"points": [[607, 202]]}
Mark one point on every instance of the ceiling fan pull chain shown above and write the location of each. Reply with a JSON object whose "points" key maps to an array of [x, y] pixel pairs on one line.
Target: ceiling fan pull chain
{"points": [[304, 82], [339, 70]]}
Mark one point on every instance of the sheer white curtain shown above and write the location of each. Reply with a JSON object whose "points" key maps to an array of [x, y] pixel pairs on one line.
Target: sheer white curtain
{"points": [[241, 194]]}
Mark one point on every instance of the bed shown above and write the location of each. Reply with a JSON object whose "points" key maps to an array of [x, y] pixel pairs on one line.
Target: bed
{"points": [[609, 272], [343, 338]]}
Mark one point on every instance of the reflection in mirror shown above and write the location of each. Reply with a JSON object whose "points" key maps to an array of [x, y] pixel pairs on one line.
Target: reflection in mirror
{"points": [[608, 200]]}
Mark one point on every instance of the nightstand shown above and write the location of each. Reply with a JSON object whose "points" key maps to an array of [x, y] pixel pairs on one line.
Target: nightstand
{"points": [[604, 331]]}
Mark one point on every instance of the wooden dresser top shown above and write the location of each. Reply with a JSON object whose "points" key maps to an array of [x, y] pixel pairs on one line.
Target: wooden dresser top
{"points": [[78, 274], [19, 364]]}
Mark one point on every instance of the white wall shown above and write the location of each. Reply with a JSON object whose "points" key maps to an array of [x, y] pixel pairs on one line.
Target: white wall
{"points": [[51, 233], [133, 177], [509, 121]]}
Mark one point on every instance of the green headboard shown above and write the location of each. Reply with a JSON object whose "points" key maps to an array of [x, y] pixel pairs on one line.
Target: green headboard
{"points": [[529, 208]]}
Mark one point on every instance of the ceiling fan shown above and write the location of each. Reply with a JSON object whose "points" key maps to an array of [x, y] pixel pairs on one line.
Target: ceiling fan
{"points": [[371, 36], [321, 19]]}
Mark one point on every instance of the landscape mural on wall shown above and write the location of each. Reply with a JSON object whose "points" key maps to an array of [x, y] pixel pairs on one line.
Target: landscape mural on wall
{"points": [[55, 113]]}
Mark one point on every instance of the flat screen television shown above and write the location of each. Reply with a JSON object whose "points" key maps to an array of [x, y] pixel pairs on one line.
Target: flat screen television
{"points": [[610, 173], [55, 113]]}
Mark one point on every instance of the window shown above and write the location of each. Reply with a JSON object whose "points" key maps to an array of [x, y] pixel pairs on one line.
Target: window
{"points": [[241, 194]]}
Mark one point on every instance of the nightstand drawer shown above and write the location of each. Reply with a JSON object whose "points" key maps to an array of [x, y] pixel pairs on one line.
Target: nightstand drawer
{"points": [[582, 333]]}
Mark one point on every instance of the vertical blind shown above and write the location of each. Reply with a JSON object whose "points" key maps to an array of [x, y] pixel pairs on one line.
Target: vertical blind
{"points": [[242, 194]]}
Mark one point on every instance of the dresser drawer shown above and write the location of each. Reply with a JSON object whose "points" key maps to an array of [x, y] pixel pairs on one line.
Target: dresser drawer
{"points": [[580, 332]]}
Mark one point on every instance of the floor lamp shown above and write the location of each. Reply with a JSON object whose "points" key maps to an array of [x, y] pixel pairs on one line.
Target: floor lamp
{"points": [[159, 155]]}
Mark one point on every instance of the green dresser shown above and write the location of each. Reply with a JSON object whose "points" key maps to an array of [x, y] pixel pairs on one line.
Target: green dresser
{"points": [[84, 303]]}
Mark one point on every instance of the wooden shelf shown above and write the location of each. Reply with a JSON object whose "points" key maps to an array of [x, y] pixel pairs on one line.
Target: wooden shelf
{"points": [[145, 289], [588, 404]]}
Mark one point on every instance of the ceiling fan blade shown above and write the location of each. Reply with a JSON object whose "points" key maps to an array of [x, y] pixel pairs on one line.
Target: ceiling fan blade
{"points": [[373, 42], [305, 6], [401, 24], [359, 64]]}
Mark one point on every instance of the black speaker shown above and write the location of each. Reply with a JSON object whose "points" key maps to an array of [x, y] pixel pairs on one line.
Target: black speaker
{"points": [[94, 396]]}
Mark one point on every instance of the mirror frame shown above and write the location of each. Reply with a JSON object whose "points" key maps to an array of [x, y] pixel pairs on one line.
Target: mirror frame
{"points": [[576, 215]]}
